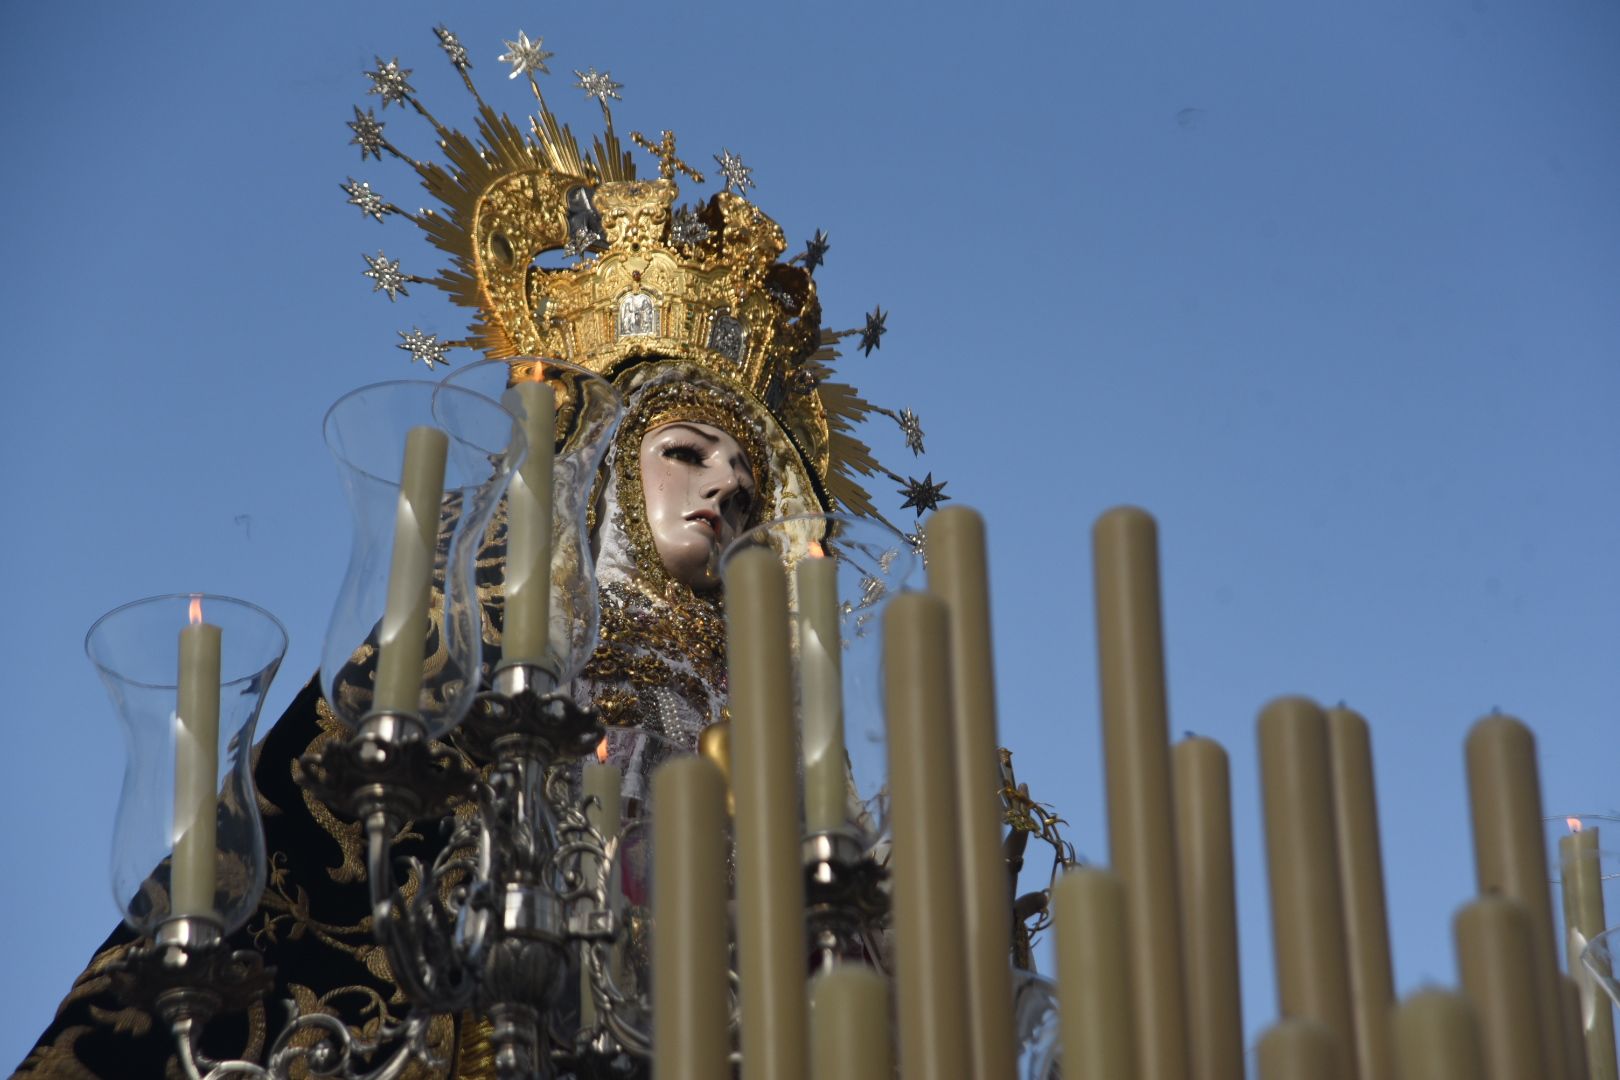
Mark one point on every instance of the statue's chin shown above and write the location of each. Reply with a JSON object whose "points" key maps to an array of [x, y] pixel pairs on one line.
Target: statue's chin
{"points": [[698, 576]]}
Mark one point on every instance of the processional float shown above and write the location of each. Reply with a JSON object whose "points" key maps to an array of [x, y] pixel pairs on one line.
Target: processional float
{"points": [[593, 820]]}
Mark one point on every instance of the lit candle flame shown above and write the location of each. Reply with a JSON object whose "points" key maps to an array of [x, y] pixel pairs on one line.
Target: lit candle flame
{"points": [[196, 609], [1574, 824], [816, 550], [601, 750]]}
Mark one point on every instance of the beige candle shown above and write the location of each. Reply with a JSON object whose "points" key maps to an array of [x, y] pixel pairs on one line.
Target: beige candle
{"points": [[958, 574], [601, 782], [770, 880], [1510, 852], [1299, 1049], [1136, 746], [930, 989], [1307, 912], [1203, 800], [196, 770], [1094, 975], [402, 634], [690, 991], [1361, 879], [1436, 1037], [849, 1025], [1581, 871], [526, 629], [1575, 1043], [826, 783], [1497, 962]]}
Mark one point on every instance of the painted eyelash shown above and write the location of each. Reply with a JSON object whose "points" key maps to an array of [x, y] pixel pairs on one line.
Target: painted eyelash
{"points": [[676, 449]]}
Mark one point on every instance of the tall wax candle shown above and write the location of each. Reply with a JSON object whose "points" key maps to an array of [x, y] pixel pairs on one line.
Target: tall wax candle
{"points": [[930, 986], [600, 784], [958, 574], [849, 1025], [402, 634], [1094, 975], [1136, 751], [1361, 881], [771, 960], [1496, 959], [1298, 1048], [826, 784], [196, 770], [1581, 871], [1575, 1044], [525, 631], [1435, 1034], [691, 990], [1307, 910], [1510, 853], [1203, 800]]}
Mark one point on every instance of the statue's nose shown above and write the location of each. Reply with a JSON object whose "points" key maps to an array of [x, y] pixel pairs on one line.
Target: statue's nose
{"points": [[724, 482]]}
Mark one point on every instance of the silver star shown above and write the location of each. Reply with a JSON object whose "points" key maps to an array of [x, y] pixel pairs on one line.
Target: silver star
{"points": [[360, 194], [526, 56], [733, 171], [368, 134], [581, 241], [424, 347], [815, 252], [686, 229], [389, 81], [453, 48], [923, 494], [919, 543], [384, 274], [599, 85], [912, 427], [872, 333], [783, 296]]}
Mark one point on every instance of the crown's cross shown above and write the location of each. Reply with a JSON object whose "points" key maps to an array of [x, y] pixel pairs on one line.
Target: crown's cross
{"points": [[664, 151]]}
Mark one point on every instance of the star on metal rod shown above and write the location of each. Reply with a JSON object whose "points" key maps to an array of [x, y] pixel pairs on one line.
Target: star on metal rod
{"points": [[370, 203], [815, 252], [923, 494], [599, 85], [384, 274], [911, 427], [872, 333], [919, 543], [424, 347], [733, 171], [453, 48], [389, 81], [368, 134], [526, 56]]}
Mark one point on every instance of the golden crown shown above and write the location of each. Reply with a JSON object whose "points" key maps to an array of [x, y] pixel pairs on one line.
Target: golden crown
{"points": [[703, 285]]}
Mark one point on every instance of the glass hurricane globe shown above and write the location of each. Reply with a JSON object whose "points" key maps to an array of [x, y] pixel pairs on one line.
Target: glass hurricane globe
{"points": [[588, 413], [840, 669], [366, 431], [136, 651]]}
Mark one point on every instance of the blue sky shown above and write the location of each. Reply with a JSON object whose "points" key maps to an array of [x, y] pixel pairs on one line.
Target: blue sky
{"points": [[1332, 293]]}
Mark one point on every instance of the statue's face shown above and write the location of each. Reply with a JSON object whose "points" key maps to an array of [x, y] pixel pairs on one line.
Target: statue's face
{"points": [[699, 489]]}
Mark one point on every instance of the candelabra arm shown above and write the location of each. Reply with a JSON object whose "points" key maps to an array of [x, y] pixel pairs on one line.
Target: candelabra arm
{"points": [[844, 896], [433, 962]]}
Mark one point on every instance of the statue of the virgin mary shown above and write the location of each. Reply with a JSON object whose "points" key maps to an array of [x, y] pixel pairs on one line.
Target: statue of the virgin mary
{"points": [[731, 418]]}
